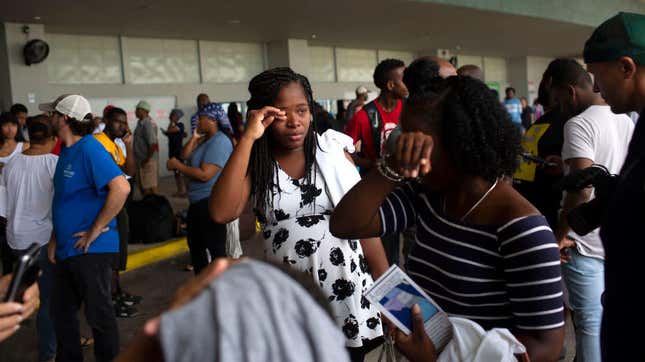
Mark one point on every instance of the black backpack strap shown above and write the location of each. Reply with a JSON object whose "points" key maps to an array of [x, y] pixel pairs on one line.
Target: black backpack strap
{"points": [[376, 125]]}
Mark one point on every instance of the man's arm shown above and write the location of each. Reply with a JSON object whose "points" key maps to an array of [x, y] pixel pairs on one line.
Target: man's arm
{"points": [[130, 166], [571, 201], [119, 188], [151, 138]]}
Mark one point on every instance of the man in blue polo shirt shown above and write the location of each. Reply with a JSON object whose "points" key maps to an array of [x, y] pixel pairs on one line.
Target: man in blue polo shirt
{"points": [[89, 191]]}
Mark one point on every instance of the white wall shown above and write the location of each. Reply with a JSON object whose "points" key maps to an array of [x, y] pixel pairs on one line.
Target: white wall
{"points": [[535, 68], [23, 79]]}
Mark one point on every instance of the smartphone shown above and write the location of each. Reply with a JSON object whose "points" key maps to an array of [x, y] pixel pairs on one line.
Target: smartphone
{"points": [[539, 160], [25, 273]]}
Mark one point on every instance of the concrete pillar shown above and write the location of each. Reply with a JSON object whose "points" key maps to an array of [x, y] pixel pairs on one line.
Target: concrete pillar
{"points": [[525, 74], [518, 76], [21, 83], [293, 53]]}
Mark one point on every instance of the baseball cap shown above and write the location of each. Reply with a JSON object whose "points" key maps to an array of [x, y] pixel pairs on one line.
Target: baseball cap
{"points": [[144, 105], [620, 36], [72, 105], [362, 90]]}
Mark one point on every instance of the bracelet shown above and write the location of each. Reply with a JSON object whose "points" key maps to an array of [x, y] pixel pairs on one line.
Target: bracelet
{"points": [[387, 172]]}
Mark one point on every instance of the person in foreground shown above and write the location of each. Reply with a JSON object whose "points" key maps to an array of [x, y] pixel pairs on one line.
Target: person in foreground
{"points": [[243, 311], [483, 252]]}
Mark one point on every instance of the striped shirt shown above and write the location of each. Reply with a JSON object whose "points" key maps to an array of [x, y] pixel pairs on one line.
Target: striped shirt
{"points": [[504, 276]]}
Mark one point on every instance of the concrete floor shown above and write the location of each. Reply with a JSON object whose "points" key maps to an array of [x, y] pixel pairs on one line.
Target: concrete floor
{"points": [[157, 284]]}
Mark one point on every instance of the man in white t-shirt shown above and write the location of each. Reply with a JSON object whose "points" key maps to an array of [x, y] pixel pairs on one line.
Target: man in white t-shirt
{"points": [[595, 136], [27, 184]]}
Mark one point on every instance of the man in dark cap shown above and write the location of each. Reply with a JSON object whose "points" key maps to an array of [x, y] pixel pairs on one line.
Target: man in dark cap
{"points": [[615, 55]]}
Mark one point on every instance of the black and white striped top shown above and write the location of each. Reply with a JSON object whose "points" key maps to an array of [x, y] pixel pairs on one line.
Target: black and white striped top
{"points": [[504, 276]]}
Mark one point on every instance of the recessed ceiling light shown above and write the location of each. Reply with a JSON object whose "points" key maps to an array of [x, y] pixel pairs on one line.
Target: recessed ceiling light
{"points": [[36, 17], [234, 21], [313, 36]]}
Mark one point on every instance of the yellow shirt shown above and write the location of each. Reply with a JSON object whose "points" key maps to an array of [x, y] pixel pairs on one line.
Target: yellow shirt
{"points": [[112, 148]]}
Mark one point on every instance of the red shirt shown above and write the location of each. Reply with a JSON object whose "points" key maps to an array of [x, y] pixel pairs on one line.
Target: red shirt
{"points": [[56, 149], [359, 129]]}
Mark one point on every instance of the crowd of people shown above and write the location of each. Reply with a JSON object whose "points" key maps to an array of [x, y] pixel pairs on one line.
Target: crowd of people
{"points": [[474, 187]]}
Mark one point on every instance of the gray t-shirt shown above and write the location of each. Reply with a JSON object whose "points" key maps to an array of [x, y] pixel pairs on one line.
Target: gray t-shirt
{"points": [[603, 137], [145, 135], [252, 312]]}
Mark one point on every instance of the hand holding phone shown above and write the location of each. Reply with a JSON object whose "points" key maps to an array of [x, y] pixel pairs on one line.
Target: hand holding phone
{"points": [[25, 274]]}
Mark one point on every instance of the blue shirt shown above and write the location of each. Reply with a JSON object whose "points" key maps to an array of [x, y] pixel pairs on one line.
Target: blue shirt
{"points": [[216, 151], [514, 108], [80, 190]]}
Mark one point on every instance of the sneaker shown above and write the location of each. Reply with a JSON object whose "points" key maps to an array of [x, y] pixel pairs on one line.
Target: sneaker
{"points": [[128, 299], [123, 311]]}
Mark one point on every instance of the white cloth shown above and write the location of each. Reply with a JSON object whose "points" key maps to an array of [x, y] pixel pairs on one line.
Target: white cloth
{"points": [[5, 160], [603, 137], [471, 343], [233, 246], [339, 173], [27, 183], [119, 142]]}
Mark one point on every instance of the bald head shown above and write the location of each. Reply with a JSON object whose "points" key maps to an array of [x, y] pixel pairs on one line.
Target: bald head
{"points": [[445, 68], [471, 70]]}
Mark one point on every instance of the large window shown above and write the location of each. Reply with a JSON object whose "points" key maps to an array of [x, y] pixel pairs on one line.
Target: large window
{"points": [[78, 59], [154, 61], [406, 57], [355, 65], [224, 62], [322, 65]]}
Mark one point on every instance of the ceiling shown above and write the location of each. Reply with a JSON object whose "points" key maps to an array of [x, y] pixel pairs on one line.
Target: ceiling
{"points": [[384, 24]]}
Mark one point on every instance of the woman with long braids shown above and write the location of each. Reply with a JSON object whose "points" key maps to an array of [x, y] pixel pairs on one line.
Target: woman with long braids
{"points": [[482, 251], [294, 179]]}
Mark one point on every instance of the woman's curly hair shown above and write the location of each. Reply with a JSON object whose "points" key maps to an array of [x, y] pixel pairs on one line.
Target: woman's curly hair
{"points": [[475, 129]]}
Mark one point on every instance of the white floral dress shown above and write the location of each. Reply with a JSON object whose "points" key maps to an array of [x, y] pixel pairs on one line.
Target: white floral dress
{"points": [[296, 232]]}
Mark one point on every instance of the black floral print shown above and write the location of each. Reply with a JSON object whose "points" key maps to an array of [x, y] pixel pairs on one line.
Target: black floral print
{"points": [[365, 304], [306, 248], [342, 288], [309, 194], [350, 328], [322, 275], [353, 244], [280, 237], [373, 322], [309, 221], [363, 263], [280, 215], [296, 231], [337, 257]]}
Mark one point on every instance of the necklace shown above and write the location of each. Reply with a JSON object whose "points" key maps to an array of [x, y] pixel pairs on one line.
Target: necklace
{"points": [[474, 206]]}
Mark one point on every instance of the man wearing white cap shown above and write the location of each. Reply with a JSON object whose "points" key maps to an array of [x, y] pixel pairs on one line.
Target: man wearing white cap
{"points": [[89, 191], [356, 105], [146, 149]]}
